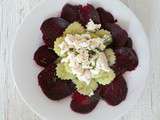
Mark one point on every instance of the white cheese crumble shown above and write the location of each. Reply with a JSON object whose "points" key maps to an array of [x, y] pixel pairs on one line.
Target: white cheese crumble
{"points": [[86, 76], [64, 47], [102, 62], [78, 42], [110, 56], [92, 27], [77, 48]]}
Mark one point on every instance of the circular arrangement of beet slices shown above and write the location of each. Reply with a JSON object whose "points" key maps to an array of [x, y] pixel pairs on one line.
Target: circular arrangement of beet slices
{"points": [[57, 89]]}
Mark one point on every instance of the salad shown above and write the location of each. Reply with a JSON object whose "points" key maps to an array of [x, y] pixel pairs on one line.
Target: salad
{"points": [[85, 55]]}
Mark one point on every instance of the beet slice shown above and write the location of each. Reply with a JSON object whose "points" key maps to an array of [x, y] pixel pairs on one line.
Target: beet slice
{"points": [[53, 87], [53, 28], [84, 104], [108, 26], [115, 92], [105, 17], [129, 43], [71, 13], [89, 12], [44, 56], [126, 59], [118, 69], [48, 42], [119, 35]]}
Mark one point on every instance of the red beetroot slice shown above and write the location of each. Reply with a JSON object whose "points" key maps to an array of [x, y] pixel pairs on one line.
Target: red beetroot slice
{"points": [[115, 92], [126, 58], [44, 56], [129, 43], [53, 28], [105, 16], [119, 35], [71, 13], [118, 69], [47, 41], [84, 104], [108, 26], [89, 12], [53, 87]]}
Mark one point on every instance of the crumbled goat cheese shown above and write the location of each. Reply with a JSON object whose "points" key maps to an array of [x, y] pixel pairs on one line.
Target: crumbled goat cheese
{"points": [[64, 47], [86, 77], [102, 62], [91, 26], [82, 63]]}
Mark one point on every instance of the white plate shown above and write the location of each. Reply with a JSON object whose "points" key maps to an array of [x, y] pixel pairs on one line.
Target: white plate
{"points": [[25, 71]]}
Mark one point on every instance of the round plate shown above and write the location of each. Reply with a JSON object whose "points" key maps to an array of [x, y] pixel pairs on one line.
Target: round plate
{"points": [[25, 71]]}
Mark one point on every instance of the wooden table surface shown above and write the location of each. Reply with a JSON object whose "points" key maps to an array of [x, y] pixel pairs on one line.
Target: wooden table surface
{"points": [[12, 13]]}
